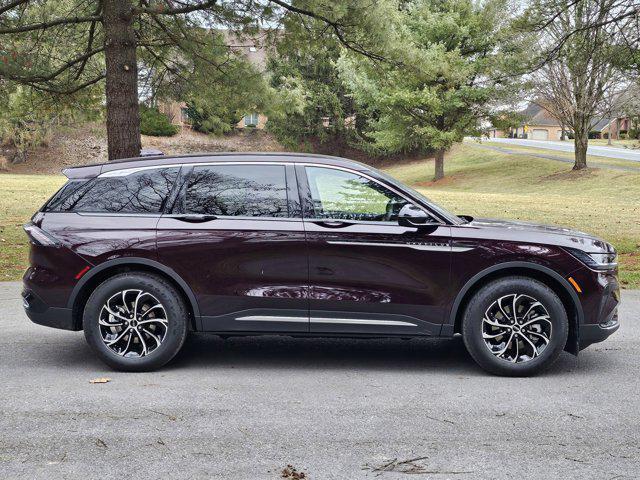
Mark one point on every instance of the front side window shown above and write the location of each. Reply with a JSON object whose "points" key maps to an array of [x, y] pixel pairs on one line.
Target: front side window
{"points": [[237, 191], [344, 195], [145, 191]]}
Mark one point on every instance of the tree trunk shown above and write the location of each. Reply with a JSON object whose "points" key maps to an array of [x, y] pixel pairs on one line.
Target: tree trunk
{"points": [[439, 174], [562, 135], [123, 112], [580, 144]]}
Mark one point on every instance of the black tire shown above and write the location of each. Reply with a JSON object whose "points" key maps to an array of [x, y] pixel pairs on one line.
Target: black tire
{"points": [[176, 314], [486, 298]]}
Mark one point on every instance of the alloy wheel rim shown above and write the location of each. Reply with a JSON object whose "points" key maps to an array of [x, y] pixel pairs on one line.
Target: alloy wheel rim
{"points": [[133, 323], [516, 328]]}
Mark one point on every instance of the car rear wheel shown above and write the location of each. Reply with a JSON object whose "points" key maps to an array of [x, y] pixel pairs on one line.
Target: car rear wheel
{"points": [[135, 321], [515, 326]]}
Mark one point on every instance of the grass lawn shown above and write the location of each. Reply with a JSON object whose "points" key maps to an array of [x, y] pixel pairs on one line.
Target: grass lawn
{"points": [[479, 182], [615, 143]]}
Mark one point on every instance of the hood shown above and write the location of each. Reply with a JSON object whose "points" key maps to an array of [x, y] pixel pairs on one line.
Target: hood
{"points": [[539, 233]]}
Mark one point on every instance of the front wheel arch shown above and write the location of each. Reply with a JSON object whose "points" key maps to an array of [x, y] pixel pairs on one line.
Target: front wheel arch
{"points": [[553, 280]]}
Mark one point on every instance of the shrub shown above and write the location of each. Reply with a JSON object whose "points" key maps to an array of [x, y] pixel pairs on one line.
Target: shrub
{"points": [[156, 124]]}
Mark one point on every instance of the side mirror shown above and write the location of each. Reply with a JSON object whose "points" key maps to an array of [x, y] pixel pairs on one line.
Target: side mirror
{"points": [[412, 216]]}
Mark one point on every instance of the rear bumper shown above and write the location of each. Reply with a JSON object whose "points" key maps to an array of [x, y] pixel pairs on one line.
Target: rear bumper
{"points": [[38, 312]]}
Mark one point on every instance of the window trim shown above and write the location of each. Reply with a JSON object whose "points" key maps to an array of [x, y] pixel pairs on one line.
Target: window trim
{"points": [[299, 187], [308, 209]]}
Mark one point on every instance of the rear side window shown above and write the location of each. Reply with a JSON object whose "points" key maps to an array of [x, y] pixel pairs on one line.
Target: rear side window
{"points": [[59, 197], [142, 192], [237, 191]]}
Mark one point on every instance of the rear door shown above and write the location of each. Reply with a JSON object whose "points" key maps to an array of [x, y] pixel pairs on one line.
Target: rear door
{"points": [[236, 236], [368, 274]]}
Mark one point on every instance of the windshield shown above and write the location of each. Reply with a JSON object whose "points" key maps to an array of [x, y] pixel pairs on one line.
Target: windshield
{"points": [[434, 206]]}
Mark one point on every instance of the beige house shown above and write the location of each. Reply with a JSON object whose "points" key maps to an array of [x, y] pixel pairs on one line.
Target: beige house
{"points": [[539, 124], [255, 49]]}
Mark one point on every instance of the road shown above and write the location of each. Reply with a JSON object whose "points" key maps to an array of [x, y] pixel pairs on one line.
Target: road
{"points": [[567, 146], [333, 409]]}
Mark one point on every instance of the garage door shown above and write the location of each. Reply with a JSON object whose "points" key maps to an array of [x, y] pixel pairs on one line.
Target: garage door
{"points": [[539, 134]]}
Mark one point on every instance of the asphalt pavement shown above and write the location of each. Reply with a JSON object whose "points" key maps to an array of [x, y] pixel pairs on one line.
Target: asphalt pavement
{"points": [[272, 407], [567, 146]]}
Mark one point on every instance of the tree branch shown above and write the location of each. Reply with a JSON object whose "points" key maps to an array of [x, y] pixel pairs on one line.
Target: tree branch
{"points": [[11, 5], [49, 24], [163, 10], [335, 26]]}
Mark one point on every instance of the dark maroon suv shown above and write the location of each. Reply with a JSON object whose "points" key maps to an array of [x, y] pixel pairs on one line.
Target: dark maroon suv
{"points": [[142, 251]]}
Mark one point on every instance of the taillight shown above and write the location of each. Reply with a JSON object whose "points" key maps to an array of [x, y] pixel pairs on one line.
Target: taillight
{"points": [[39, 236]]}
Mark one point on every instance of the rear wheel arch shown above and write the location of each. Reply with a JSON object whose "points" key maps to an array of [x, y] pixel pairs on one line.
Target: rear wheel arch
{"points": [[100, 273], [553, 280]]}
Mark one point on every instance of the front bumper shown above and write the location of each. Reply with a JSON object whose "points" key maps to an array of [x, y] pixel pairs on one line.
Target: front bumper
{"points": [[38, 312], [594, 333]]}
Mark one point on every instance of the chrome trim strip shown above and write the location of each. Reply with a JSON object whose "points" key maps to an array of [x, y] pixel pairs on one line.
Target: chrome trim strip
{"points": [[361, 321], [128, 171], [272, 318], [427, 248]]}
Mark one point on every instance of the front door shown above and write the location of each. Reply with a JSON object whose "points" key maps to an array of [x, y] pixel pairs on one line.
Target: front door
{"points": [[236, 237], [367, 274]]}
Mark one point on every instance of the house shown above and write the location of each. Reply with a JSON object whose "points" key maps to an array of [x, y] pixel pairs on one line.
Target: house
{"points": [[255, 49], [538, 124], [610, 126]]}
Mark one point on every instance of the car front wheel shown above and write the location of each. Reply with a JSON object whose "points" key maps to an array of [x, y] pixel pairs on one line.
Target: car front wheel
{"points": [[135, 321], [515, 326]]}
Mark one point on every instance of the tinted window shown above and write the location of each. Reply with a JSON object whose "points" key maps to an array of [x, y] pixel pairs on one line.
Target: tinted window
{"points": [[59, 197], [347, 196], [238, 190], [141, 192]]}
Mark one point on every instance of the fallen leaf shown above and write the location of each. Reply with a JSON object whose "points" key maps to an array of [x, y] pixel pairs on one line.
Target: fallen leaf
{"points": [[100, 443], [100, 380]]}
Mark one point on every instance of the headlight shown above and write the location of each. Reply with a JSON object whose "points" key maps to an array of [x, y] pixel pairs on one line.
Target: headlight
{"points": [[597, 261]]}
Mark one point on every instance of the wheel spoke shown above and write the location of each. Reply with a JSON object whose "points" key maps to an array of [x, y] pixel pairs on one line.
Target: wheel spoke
{"points": [[144, 344], [517, 355], [541, 318], [531, 307], [495, 323], [506, 347], [535, 349], [514, 309], [124, 301], [149, 309], [504, 313], [126, 348], [135, 304], [154, 320], [112, 312], [495, 335], [118, 338], [107, 324], [544, 338], [158, 342]]}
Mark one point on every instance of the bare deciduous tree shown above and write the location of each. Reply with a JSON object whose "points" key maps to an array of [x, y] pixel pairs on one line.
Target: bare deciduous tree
{"points": [[582, 45]]}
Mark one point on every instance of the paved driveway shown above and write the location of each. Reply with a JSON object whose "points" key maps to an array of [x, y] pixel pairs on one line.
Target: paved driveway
{"points": [[567, 146], [334, 409]]}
